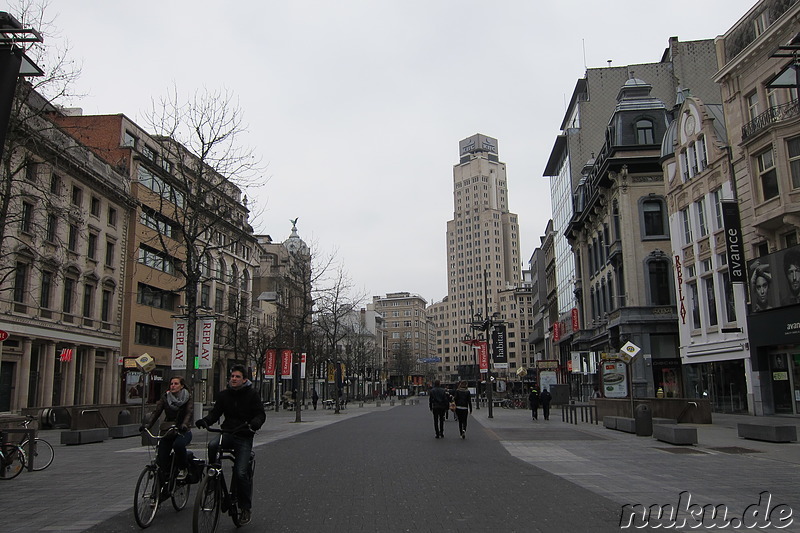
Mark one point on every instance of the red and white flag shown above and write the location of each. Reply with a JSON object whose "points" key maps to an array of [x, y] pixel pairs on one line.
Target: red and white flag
{"points": [[66, 355]]}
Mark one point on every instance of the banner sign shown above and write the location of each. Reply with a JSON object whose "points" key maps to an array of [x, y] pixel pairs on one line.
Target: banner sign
{"points": [[733, 240], [179, 344], [499, 353], [270, 363], [556, 331], [66, 355], [302, 366], [575, 324], [483, 356], [286, 364], [681, 298], [205, 341]]}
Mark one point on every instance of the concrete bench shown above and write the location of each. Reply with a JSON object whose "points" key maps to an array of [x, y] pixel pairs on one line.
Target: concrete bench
{"points": [[123, 431], [675, 433], [610, 422], [626, 424], [768, 432], [84, 436], [664, 421]]}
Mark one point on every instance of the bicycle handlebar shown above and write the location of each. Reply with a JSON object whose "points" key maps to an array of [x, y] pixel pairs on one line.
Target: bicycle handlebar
{"points": [[159, 437], [234, 430]]}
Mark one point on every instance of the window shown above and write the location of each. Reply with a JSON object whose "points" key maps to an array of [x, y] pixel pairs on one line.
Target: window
{"points": [[112, 216], [684, 166], [31, 170], [153, 335], [128, 139], [716, 197], [730, 305], [92, 246], [687, 226], [692, 159], [694, 304], [154, 221], [711, 301], [767, 175], [52, 228], [793, 146], [653, 217], [94, 206], [760, 23], [77, 196], [658, 274], [155, 297], [105, 306], [701, 217], [205, 295], [46, 289], [156, 260], [109, 253], [752, 105], [55, 184], [27, 217], [69, 295], [88, 300], [219, 300], [72, 243], [149, 153], [644, 132], [702, 153], [20, 282]]}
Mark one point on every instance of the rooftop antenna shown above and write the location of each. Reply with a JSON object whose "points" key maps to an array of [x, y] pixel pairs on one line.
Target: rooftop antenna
{"points": [[609, 62], [583, 45]]}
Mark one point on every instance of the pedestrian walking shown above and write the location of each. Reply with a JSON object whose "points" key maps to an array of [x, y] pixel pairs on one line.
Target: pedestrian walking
{"points": [[463, 401], [314, 398], [533, 403], [545, 398], [439, 403]]}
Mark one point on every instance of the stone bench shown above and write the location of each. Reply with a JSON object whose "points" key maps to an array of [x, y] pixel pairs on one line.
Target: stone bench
{"points": [[664, 421], [768, 432], [620, 423], [675, 433], [123, 431], [84, 436]]}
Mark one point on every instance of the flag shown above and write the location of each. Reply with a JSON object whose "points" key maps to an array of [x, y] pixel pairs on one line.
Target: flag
{"points": [[205, 339], [179, 344], [66, 355], [269, 364], [286, 364]]}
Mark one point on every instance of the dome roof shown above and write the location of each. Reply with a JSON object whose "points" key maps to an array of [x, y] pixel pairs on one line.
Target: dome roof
{"points": [[294, 243], [670, 137]]}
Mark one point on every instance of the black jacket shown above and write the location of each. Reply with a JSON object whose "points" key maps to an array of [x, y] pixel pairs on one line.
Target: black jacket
{"points": [[438, 398], [545, 397], [239, 406], [463, 398]]}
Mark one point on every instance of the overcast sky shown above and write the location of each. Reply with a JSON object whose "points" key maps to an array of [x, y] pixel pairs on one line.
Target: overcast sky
{"points": [[357, 107]]}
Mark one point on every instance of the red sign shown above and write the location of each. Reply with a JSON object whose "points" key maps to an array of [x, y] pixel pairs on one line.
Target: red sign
{"points": [[556, 331], [483, 356], [3, 335], [575, 319], [269, 363], [286, 364]]}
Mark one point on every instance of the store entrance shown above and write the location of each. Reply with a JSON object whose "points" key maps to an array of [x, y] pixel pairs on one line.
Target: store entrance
{"points": [[781, 384]]}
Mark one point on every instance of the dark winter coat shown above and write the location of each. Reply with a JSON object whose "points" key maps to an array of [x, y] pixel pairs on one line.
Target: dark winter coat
{"points": [[463, 398], [545, 397], [438, 398], [533, 399], [181, 416], [239, 406]]}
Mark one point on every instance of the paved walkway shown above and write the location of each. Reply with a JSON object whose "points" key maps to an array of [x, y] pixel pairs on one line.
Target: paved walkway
{"points": [[91, 483]]}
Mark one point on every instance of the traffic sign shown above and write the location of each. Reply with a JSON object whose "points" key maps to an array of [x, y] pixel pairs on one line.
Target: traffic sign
{"points": [[3, 335], [629, 351]]}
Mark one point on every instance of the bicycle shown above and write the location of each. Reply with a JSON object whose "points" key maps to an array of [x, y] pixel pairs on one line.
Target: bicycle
{"points": [[39, 451], [12, 459], [213, 494], [155, 486]]}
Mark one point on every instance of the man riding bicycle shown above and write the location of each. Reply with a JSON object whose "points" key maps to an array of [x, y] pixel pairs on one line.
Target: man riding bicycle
{"points": [[241, 405]]}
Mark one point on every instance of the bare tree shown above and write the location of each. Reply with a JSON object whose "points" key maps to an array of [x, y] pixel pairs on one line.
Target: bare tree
{"points": [[199, 212], [32, 139], [335, 305]]}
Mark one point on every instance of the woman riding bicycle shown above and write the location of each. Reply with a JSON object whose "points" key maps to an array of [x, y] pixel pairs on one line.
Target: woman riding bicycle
{"points": [[178, 409]]}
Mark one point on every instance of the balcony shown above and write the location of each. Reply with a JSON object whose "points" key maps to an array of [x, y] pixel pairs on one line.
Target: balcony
{"points": [[773, 115]]}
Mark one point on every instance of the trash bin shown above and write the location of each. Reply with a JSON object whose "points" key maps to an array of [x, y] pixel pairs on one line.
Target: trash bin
{"points": [[124, 418], [643, 419]]}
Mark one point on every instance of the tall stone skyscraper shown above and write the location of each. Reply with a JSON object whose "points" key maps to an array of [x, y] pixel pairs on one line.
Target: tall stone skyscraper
{"points": [[483, 257]]}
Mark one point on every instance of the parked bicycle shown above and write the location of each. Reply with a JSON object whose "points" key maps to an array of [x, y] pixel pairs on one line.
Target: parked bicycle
{"points": [[39, 452], [12, 458], [213, 494], [513, 403], [154, 485]]}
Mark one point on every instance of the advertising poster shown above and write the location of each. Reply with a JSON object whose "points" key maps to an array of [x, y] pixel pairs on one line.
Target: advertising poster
{"points": [[615, 379], [547, 378]]}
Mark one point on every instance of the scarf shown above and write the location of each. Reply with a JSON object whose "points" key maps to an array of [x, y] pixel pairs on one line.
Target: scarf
{"points": [[177, 400]]}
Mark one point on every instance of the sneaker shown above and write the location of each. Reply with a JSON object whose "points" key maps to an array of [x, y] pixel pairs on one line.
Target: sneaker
{"points": [[244, 516], [182, 474]]}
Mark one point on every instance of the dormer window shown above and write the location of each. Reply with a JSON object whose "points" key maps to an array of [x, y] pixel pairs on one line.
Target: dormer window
{"points": [[644, 132]]}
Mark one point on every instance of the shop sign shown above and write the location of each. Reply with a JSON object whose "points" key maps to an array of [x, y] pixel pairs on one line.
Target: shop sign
{"points": [[679, 274], [499, 353], [615, 379], [780, 376], [733, 240], [575, 324]]}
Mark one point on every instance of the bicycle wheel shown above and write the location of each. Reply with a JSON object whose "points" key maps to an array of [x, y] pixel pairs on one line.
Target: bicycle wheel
{"points": [[145, 501], [12, 462], [180, 495], [206, 506], [41, 453]]}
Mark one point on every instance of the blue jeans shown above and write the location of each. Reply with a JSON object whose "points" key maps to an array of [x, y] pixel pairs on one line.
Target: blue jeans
{"points": [[242, 447], [173, 441]]}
